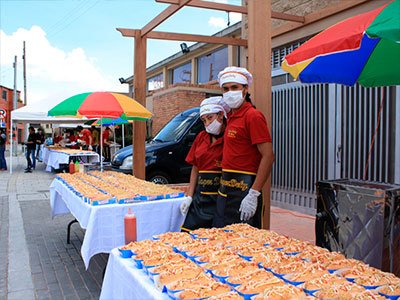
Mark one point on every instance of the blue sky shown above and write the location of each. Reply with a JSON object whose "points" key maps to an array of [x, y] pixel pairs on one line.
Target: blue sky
{"points": [[73, 46]]}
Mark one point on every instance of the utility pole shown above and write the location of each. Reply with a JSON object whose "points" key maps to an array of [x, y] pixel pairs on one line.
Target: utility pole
{"points": [[13, 150], [15, 83], [24, 64]]}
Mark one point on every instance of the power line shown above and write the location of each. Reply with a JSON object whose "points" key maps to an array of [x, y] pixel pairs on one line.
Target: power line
{"points": [[69, 14], [74, 19]]}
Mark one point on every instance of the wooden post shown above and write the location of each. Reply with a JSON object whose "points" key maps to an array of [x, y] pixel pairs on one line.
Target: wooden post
{"points": [[259, 63], [139, 127]]}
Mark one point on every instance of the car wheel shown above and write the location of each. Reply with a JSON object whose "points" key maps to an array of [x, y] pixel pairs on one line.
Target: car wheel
{"points": [[159, 178]]}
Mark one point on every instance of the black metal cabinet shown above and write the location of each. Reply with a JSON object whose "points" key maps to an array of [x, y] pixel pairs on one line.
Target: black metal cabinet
{"points": [[360, 219]]}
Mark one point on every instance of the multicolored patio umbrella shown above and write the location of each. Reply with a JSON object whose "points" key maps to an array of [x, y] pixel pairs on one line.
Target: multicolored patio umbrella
{"points": [[101, 105], [108, 122], [364, 48]]}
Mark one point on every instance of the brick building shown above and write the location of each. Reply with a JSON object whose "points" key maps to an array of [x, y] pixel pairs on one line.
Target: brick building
{"points": [[167, 102], [7, 105]]}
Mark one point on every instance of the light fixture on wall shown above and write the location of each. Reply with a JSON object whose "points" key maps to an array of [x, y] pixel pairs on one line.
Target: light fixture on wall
{"points": [[185, 48], [121, 80]]}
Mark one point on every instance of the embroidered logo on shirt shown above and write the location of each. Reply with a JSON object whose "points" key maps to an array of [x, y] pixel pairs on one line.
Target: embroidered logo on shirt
{"points": [[218, 163], [232, 133]]}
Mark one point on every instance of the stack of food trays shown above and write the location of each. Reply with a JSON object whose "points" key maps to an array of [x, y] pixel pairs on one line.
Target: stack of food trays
{"points": [[249, 263], [72, 152], [88, 193], [98, 188], [147, 190]]}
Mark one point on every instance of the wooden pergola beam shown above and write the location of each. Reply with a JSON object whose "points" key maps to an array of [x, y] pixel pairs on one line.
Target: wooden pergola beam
{"points": [[185, 37], [316, 16], [139, 127], [210, 5], [161, 17], [234, 8]]}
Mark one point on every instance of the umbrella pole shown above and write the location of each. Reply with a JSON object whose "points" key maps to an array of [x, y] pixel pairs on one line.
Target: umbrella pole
{"points": [[11, 145], [123, 135], [101, 144]]}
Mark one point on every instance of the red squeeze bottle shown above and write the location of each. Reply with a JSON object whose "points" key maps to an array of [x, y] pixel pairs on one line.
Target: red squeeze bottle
{"points": [[71, 167], [130, 227]]}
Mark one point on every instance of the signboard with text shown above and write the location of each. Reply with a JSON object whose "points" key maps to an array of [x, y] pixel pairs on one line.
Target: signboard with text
{"points": [[3, 115]]}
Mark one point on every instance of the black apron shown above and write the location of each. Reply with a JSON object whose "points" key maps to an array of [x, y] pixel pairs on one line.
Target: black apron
{"points": [[202, 209], [234, 187]]}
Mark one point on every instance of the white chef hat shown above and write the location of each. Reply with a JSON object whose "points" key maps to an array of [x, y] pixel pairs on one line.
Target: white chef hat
{"points": [[213, 105], [235, 74]]}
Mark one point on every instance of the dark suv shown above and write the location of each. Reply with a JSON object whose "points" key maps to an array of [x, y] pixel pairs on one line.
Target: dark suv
{"points": [[166, 152]]}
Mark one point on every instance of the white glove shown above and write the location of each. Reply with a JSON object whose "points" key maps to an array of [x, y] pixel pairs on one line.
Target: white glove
{"points": [[185, 205], [90, 147], [248, 206]]}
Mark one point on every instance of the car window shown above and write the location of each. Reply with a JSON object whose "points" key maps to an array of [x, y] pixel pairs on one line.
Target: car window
{"points": [[175, 128], [197, 127]]}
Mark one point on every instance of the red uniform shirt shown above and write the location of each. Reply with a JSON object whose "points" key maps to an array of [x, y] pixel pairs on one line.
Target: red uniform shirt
{"points": [[57, 139], [204, 155], [72, 138], [106, 136], [86, 134], [246, 128]]}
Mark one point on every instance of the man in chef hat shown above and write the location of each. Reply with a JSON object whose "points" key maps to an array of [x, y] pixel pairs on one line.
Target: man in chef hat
{"points": [[247, 153]]}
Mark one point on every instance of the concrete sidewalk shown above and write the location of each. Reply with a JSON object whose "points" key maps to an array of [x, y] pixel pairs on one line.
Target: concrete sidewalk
{"points": [[35, 260]]}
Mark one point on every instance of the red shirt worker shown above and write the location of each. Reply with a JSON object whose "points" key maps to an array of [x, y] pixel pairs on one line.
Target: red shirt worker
{"points": [[247, 153], [85, 135], [205, 156]]}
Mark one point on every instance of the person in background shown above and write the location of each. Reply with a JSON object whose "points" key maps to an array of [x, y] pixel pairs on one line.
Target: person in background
{"points": [[205, 156], [247, 156], [57, 137], [39, 143], [30, 150], [106, 143], [96, 138], [85, 136], [3, 139], [72, 139]]}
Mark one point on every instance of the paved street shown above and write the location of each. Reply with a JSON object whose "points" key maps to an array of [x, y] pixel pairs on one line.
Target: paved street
{"points": [[40, 264], [35, 260]]}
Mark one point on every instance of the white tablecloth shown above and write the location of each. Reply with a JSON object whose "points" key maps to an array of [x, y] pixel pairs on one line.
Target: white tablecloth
{"points": [[104, 224], [123, 281], [53, 159]]}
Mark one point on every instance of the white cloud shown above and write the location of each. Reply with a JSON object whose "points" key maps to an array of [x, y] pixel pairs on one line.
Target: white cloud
{"points": [[50, 70], [221, 23]]}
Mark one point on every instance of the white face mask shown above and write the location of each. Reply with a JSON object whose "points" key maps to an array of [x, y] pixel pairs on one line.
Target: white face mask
{"points": [[233, 98], [214, 127]]}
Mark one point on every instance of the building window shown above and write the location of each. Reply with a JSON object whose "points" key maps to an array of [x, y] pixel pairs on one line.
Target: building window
{"points": [[278, 54], [210, 65], [156, 82], [5, 95], [182, 73]]}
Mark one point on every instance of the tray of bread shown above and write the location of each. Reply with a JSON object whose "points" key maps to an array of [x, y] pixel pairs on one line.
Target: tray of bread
{"points": [[97, 188], [72, 152], [242, 262]]}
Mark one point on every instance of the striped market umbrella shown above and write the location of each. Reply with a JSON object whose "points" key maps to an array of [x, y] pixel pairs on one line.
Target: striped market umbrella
{"points": [[101, 105], [363, 49]]}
